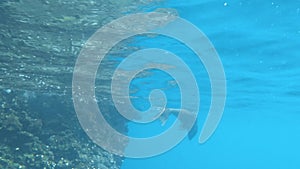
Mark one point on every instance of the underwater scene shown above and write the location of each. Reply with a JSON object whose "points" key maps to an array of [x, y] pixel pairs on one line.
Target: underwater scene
{"points": [[145, 84]]}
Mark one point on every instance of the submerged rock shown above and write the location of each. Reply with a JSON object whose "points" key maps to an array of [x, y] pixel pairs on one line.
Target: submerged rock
{"points": [[36, 135], [39, 43]]}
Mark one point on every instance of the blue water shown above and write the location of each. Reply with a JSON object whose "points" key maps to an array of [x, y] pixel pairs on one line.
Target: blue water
{"points": [[258, 43]]}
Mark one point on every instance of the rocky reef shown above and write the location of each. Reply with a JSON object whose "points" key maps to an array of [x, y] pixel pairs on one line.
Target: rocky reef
{"points": [[39, 43], [41, 39], [43, 132]]}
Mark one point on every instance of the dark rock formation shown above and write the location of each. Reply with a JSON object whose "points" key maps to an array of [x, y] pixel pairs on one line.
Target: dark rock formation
{"points": [[39, 43]]}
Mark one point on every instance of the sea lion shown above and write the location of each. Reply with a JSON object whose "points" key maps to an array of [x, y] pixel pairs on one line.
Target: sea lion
{"points": [[185, 119]]}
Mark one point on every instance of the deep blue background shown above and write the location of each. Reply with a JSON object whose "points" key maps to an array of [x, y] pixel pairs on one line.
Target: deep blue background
{"points": [[258, 43]]}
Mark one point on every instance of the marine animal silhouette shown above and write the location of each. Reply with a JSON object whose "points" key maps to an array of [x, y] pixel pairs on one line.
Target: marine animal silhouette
{"points": [[185, 119]]}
